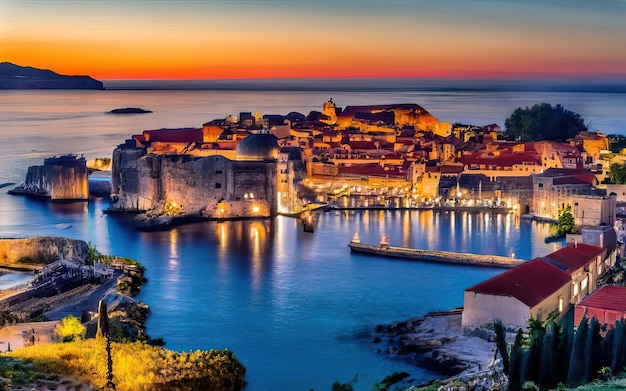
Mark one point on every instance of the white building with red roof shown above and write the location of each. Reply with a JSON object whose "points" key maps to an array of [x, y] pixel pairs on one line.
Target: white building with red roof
{"points": [[533, 289], [536, 288]]}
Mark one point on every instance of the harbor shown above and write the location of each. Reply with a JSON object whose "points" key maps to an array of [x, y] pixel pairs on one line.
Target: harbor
{"points": [[385, 250]]}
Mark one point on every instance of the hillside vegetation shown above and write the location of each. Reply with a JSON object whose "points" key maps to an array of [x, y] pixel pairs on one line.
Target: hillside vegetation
{"points": [[136, 366]]}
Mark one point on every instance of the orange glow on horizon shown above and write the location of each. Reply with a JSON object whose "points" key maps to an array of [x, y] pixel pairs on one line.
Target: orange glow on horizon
{"points": [[98, 68]]}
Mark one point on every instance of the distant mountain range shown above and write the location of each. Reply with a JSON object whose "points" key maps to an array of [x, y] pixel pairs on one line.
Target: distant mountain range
{"points": [[15, 77]]}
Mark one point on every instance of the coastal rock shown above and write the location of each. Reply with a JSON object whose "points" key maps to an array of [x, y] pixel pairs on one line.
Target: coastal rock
{"points": [[37, 251], [436, 342], [438, 361], [127, 317], [60, 178], [17, 77], [99, 188]]}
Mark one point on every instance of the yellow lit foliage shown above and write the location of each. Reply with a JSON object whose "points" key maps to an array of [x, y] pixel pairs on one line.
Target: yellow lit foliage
{"points": [[70, 328], [137, 366]]}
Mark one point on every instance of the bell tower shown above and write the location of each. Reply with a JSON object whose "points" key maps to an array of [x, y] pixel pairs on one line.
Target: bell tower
{"points": [[329, 109]]}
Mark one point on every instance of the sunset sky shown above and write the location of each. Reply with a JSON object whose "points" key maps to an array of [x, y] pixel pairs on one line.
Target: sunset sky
{"points": [[317, 39]]}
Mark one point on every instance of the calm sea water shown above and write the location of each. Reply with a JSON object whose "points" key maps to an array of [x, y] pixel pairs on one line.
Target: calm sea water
{"points": [[298, 309]]}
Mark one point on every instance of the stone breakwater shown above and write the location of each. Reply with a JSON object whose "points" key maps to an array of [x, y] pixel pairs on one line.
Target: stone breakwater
{"points": [[436, 256], [33, 253]]}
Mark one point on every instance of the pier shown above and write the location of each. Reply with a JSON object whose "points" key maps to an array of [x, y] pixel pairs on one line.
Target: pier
{"points": [[385, 250]]}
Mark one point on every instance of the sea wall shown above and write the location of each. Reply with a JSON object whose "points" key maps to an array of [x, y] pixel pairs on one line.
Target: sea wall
{"points": [[209, 187], [30, 253]]}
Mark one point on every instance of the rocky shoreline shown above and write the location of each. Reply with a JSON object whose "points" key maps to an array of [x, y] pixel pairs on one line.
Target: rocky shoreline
{"points": [[436, 342], [62, 288]]}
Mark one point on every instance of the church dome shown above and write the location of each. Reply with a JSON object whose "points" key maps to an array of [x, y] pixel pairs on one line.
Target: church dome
{"points": [[258, 147]]}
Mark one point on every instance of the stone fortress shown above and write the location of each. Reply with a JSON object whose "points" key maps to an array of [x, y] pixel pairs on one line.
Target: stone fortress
{"points": [[212, 186], [236, 168]]}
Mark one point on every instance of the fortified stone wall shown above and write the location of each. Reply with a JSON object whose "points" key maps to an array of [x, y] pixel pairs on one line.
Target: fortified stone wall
{"points": [[125, 179], [40, 250], [196, 183], [211, 187]]}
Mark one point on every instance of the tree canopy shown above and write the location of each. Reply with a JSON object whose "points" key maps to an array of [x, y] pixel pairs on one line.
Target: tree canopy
{"points": [[565, 224], [70, 329], [618, 173], [543, 122]]}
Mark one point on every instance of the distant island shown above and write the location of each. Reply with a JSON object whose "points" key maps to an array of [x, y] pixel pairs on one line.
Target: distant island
{"points": [[129, 110], [15, 77]]}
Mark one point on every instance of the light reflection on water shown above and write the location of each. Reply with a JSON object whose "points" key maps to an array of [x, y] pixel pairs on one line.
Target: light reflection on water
{"points": [[298, 309]]}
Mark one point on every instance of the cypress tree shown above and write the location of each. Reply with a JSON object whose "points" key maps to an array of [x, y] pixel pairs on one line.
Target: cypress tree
{"points": [[548, 375], [592, 350], [577, 357], [532, 360], [498, 328], [515, 383], [606, 349], [566, 338], [618, 353], [103, 320]]}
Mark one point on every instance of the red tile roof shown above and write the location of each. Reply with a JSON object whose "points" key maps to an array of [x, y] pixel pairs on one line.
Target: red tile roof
{"points": [[582, 179], [611, 298], [445, 169], [373, 170], [175, 135], [574, 257], [365, 145], [530, 282], [504, 160], [352, 110]]}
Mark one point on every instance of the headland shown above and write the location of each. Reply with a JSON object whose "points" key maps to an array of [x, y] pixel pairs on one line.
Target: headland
{"points": [[15, 77]]}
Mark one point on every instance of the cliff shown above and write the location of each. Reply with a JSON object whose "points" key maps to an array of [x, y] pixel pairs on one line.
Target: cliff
{"points": [[17, 77], [31, 253], [60, 178]]}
